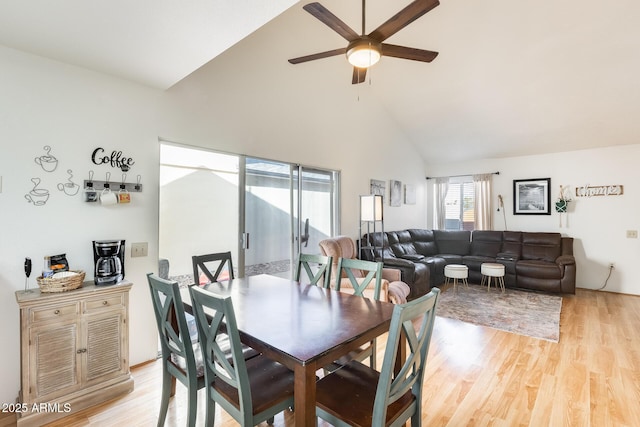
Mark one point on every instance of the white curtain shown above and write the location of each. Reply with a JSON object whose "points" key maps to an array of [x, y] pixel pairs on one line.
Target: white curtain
{"points": [[441, 189], [482, 205]]}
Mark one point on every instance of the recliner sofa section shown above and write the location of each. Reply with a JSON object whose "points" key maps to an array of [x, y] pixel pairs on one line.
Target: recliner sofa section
{"points": [[532, 260]]}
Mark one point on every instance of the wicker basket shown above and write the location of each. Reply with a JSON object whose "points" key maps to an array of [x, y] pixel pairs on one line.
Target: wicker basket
{"points": [[63, 284]]}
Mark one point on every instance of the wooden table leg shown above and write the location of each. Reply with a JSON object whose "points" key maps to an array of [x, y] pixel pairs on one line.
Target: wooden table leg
{"points": [[305, 395]]}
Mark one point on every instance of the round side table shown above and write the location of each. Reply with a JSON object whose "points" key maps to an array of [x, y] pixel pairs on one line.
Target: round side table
{"points": [[493, 271], [455, 272]]}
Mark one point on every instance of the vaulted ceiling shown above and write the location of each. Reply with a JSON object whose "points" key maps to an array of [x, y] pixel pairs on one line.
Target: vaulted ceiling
{"points": [[512, 77]]}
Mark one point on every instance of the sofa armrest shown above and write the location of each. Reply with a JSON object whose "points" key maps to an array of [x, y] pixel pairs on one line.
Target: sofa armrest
{"points": [[391, 274], [412, 257], [397, 262], [565, 260], [507, 256]]}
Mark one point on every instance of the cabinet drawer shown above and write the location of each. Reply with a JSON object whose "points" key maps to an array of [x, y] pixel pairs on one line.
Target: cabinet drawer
{"points": [[97, 304], [39, 314]]}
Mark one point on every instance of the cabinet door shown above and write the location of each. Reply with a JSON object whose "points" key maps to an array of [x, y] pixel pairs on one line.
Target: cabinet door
{"points": [[54, 369], [105, 356]]}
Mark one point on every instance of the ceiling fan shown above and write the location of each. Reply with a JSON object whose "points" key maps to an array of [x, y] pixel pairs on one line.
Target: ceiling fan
{"points": [[363, 50]]}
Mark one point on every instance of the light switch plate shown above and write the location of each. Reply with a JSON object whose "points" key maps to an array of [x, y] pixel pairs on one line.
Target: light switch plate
{"points": [[139, 249]]}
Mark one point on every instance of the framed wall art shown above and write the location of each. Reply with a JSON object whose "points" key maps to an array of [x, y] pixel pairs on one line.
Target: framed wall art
{"points": [[377, 187], [395, 196], [531, 196]]}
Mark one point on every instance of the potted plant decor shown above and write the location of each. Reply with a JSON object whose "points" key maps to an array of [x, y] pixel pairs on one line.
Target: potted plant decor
{"points": [[562, 203]]}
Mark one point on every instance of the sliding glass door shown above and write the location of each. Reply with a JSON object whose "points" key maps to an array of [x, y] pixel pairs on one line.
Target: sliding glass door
{"points": [[265, 212], [288, 209]]}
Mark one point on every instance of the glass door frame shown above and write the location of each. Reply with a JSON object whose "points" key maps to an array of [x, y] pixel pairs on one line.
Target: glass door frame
{"points": [[296, 226]]}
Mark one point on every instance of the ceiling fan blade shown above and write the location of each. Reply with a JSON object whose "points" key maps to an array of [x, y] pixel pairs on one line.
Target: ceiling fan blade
{"points": [[359, 75], [403, 18], [408, 53], [320, 55], [331, 20]]}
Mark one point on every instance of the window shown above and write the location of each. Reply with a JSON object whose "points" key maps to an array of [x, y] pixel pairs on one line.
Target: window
{"points": [[459, 204]]}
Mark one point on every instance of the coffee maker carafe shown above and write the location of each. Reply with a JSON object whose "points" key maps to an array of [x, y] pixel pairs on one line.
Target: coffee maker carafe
{"points": [[108, 256]]}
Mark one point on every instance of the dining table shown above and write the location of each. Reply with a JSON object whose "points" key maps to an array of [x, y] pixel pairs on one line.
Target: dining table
{"points": [[303, 327]]}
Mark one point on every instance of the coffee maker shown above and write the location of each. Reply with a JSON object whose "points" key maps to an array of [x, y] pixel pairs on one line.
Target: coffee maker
{"points": [[108, 257]]}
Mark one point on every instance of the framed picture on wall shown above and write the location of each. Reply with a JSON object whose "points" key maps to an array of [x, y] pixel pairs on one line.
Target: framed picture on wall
{"points": [[409, 194], [531, 196], [377, 187], [395, 196]]}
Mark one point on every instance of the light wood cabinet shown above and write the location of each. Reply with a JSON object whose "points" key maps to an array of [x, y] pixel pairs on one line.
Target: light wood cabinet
{"points": [[74, 350]]}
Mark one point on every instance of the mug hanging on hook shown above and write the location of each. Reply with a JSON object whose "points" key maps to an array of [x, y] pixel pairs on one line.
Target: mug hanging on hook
{"points": [[123, 194], [90, 194]]}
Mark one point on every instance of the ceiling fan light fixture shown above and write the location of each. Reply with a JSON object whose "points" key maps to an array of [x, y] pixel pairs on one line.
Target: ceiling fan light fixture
{"points": [[364, 53]]}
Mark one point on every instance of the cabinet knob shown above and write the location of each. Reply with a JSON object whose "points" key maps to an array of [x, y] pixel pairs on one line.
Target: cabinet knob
{"points": [[56, 312], [82, 350], [105, 302]]}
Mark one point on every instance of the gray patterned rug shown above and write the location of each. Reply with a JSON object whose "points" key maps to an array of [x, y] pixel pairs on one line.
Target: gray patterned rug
{"points": [[532, 314]]}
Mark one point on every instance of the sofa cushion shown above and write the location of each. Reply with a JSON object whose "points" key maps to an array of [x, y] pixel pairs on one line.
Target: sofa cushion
{"points": [[403, 244], [377, 240], [541, 246], [453, 242], [486, 243], [538, 269], [512, 242], [424, 242]]}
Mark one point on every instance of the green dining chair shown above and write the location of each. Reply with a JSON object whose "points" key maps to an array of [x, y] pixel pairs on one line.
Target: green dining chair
{"points": [[359, 275], [357, 395], [316, 267], [251, 391], [218, 261], [178, 356], [222, 263]]}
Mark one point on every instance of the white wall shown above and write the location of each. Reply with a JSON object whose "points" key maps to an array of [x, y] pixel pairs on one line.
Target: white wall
{"points": [[73, 111], [598, 224]]}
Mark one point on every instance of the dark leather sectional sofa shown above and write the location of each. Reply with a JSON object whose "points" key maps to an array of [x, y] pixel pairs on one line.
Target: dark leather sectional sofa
{"points": [[537, 261]]}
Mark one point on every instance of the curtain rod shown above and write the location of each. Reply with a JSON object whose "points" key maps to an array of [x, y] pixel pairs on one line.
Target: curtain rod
{"points": [[458, 176]]}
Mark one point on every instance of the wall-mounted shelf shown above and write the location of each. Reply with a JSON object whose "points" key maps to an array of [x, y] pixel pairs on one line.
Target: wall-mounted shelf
{"points": [[131, 187]]}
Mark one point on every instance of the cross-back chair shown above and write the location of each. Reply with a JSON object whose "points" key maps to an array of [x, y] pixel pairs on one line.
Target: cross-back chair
{"points": [[322, 273], [251, 391], [178, 356], [357, 395], [359, 275], [221, 261]]}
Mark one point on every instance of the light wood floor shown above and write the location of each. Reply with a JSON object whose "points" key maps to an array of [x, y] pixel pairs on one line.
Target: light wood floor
{"points": [[478, 376]]}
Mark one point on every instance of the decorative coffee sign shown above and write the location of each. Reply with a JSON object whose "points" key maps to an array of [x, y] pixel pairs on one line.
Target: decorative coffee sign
{"points": [[116, 159]]}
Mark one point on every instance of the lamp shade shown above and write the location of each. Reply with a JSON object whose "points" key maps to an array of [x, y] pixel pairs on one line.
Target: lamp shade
{"points": [[371, 208]]}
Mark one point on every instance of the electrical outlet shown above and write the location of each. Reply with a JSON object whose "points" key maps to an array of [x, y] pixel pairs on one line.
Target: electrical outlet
{"points": [[139, 249], [632, 234], [612, 266]]}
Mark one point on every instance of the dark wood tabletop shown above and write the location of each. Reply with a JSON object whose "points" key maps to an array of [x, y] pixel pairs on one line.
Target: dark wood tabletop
{"points": [[303, 327]]}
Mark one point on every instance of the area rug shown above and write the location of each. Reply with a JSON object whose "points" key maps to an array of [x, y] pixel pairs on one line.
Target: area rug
{"points": [[532, 314]]}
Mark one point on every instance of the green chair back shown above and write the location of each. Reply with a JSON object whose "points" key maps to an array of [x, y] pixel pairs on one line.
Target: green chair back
{"points": [[175, 343], [320, 263], [232, 382], [360, 395], [373, 270], [410, 377], [223, 260]]}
